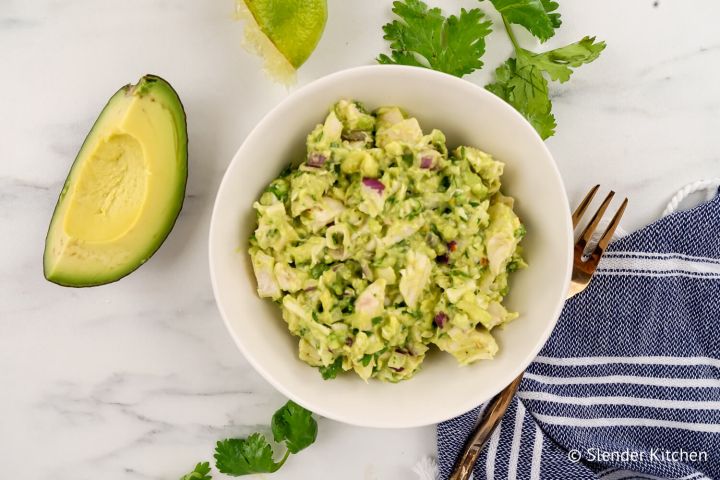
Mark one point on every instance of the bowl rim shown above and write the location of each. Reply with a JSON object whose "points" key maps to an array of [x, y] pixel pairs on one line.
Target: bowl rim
{"points": [[316, 84]]}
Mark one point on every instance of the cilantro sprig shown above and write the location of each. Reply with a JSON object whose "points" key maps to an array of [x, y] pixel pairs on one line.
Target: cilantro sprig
{"points": [[200, 472], [455, 44], [292, 425], [425, 38], [522, 82]]}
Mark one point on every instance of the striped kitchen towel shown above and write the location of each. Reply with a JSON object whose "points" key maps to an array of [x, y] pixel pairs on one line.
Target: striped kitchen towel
{"points": [[628, 385]]}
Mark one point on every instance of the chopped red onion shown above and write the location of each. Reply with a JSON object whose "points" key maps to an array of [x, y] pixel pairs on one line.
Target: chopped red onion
{"points": [[452, 246], [442, 259], [426, 161], [440, 319], [316, 159], [374, 183]]}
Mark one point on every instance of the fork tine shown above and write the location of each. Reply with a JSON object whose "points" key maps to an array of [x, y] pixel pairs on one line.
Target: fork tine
{"points": [[607, 236], [590, 229], [580, 210]]}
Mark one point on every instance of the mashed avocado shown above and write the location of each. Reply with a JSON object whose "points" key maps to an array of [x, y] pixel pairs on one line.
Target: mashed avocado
{"points": [[382, 242]]}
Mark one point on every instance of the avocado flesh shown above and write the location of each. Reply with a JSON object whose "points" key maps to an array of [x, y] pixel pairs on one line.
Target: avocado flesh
{"points": [[125, 189]]}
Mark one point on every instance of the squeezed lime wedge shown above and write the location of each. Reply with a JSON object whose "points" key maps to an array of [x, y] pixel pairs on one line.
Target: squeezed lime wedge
{"points": [[283, 32]]}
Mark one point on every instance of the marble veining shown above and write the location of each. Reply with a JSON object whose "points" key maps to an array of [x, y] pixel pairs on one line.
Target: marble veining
{"points": [[136, 380]]}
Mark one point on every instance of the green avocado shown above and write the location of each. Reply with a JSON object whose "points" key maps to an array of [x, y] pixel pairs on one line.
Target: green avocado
{"points": [[124, 191]]}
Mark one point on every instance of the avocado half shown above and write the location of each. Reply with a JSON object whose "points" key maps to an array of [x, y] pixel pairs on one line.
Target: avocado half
{"points": [[124, 190]]}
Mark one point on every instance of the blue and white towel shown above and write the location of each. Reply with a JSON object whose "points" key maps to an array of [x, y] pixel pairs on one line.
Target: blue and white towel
{"points": [[628, 385]]}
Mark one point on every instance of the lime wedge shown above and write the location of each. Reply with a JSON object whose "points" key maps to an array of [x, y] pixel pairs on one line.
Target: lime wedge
{"points": [[283, 32]]}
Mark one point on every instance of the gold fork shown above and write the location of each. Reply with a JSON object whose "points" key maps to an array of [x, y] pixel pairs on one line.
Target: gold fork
{"points": [[584, 265]]}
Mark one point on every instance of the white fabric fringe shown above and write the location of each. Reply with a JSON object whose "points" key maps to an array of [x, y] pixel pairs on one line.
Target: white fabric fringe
{"points": [[426, 469]]}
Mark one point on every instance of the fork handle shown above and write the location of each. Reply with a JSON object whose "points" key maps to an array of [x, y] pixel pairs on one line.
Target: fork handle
{"points": [[489, 420]]}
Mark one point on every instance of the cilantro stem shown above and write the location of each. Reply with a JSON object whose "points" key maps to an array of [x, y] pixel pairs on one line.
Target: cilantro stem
{"points": [[511, 34], [282, 462]]}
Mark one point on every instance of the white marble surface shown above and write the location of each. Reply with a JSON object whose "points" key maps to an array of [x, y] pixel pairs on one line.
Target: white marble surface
{"points": [[137, 379]]}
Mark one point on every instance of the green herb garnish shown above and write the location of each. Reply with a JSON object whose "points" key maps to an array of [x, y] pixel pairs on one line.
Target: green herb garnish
{"points": [[243, 456], [331, 370], [200, 472], [295, 426], [291, 424], [366, 359], [424, 37]]}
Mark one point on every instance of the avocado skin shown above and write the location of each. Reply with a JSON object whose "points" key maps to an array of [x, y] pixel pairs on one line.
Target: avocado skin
{"points": [[141, 88]]}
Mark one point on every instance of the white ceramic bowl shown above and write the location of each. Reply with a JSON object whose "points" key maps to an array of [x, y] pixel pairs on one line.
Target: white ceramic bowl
{"points": [[469, 115]]}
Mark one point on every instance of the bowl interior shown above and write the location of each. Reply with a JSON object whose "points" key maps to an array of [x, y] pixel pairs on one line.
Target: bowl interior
{"points": [[468, 115]]}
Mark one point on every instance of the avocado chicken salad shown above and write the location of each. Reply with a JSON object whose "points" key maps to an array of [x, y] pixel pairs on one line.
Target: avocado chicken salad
{"points": [[381, 242]]}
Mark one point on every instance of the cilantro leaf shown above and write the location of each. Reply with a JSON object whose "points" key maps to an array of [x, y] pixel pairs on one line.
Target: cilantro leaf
{"points": [[557, 63], [295, 426], [331, 370], [366, 359], [317, 271], [537, 16], [524, 87], [242, 456], [425, 38], [279, 188], [550, 8], [398, 57], [200, 472]]}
